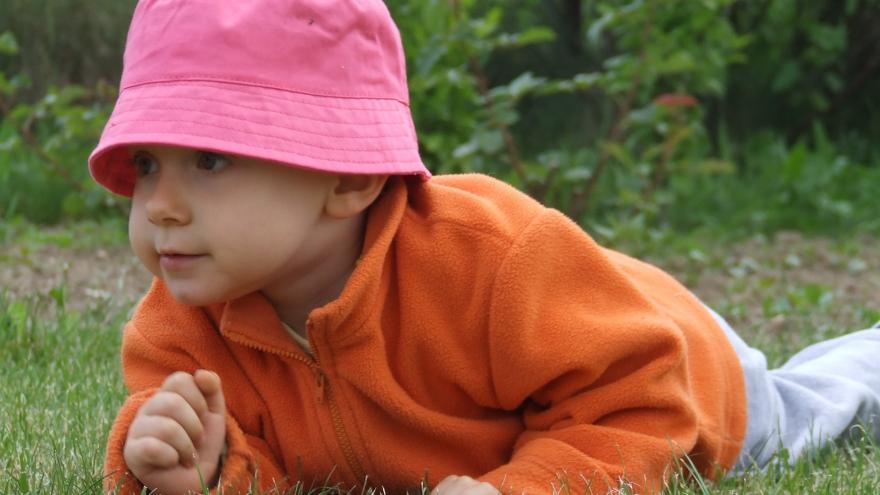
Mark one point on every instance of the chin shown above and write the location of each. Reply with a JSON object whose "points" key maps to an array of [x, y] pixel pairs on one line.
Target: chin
{"points": [[195, 298]]}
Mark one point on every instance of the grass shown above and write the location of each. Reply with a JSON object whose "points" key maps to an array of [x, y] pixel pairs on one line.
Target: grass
{"points": [[84, 235], [60, 391], [60, 381]]}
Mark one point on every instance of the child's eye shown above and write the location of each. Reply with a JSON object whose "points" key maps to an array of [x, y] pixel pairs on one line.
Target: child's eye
{"points": [[144, 163], [212, 162]]}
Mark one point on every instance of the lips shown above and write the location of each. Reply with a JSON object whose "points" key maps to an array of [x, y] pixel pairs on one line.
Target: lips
{"points": [[175, 261]]}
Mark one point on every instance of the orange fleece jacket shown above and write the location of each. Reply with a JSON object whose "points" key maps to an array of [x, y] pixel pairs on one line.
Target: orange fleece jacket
{"points": [[480, 334]]}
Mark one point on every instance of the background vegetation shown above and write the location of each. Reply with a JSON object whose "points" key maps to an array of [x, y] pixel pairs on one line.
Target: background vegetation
{"points": [[666, 127], [631, 116]]}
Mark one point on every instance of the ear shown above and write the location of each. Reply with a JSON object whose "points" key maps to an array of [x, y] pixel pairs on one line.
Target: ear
{"points": [[353, 194]]}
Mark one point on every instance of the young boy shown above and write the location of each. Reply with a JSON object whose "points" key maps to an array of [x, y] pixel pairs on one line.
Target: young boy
{"points": [[324, 312]]}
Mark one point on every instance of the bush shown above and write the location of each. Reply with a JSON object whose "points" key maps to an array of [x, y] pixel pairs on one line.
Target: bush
{"points": [[631, 113], [65, 41], [44, 147], [625, 114]]}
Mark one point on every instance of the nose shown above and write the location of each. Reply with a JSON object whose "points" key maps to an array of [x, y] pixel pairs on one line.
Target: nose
{"points": [[167, 204]]}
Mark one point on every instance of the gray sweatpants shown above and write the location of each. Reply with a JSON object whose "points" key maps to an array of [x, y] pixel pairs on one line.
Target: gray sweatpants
{"points": [[817, 396]]}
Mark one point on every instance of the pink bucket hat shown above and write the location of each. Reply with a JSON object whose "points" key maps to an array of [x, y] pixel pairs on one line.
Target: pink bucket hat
{"points": [[318, 84]]}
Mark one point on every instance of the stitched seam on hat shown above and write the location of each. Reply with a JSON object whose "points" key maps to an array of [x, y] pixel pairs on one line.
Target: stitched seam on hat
{"points": [[303, 117], [280, 138], [300, 102], [285, 150], [119, 120], [238, 105], [318, 94]]}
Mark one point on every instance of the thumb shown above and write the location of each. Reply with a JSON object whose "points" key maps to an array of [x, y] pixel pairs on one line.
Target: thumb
{"points": [[210, 386], [210, 446]]}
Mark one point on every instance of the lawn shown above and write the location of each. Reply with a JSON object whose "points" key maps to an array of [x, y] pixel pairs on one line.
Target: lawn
{"points": [[67, 292]]}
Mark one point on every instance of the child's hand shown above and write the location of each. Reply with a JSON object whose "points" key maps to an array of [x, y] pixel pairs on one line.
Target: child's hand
{"points": [[463, 485], [183, 423]]}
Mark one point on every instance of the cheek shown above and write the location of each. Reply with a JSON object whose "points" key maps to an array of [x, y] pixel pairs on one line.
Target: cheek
{"points": [[274, 226], [141, 240], [260, 245]]}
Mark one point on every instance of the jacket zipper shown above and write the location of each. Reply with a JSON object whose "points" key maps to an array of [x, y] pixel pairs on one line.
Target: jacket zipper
{"points": [[322, 395], [335, 416]]}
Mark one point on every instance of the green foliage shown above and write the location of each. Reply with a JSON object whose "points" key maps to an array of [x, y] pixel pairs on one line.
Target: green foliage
{"points": [[632, 131], [810, 186], [467, 124], [808, 62], [632, 116], [65, 41], [44, 147]]}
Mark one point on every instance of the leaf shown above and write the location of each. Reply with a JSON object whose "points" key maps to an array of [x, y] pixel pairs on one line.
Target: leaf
{"points": [[466, 149], [594, 32], [577, 174], [851, 6], [715, 166], [618, 152], [8, 44], [537, 34], [430, 54], [834, 82], [818, 100], [6, 86], [10, 143], [58, 295], [506, 115], [680, 61], [555, 87], [715, 86], [786, 77], [490, 141], [524, 84], [586, 81], [484, 27]]}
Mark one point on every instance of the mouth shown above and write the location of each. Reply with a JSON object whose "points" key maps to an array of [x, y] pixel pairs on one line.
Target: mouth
{"points": [[176, 261]]}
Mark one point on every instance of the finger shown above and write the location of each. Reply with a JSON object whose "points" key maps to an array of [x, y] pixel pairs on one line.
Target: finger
{"points": [[445, 485], [174, 406], [149, 453], [457, 485], [486, 489], [185, 385], [210, 386], [167, 431]]}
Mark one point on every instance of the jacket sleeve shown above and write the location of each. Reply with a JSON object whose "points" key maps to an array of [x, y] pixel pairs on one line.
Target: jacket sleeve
{"points": [[248, 461], [597, 369]]}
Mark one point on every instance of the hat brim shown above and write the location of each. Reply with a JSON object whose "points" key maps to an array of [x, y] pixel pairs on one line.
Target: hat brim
{"points": [[331, 134]]}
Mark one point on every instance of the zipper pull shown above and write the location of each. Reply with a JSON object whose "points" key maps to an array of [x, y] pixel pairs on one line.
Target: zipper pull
{"points": [[320, 381]]}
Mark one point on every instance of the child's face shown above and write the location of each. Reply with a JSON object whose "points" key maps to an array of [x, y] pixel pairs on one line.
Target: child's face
{"points": [[215, 227]]}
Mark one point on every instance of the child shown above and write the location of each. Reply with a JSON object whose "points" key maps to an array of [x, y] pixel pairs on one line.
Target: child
{"points": [[324, 311]]}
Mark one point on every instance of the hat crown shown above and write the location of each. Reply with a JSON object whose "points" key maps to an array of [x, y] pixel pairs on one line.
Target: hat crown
{"points": [[338, 48]]}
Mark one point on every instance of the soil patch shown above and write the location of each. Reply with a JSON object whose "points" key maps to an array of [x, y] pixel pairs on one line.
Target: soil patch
{"points": [[110, 274], [756, 284]]}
